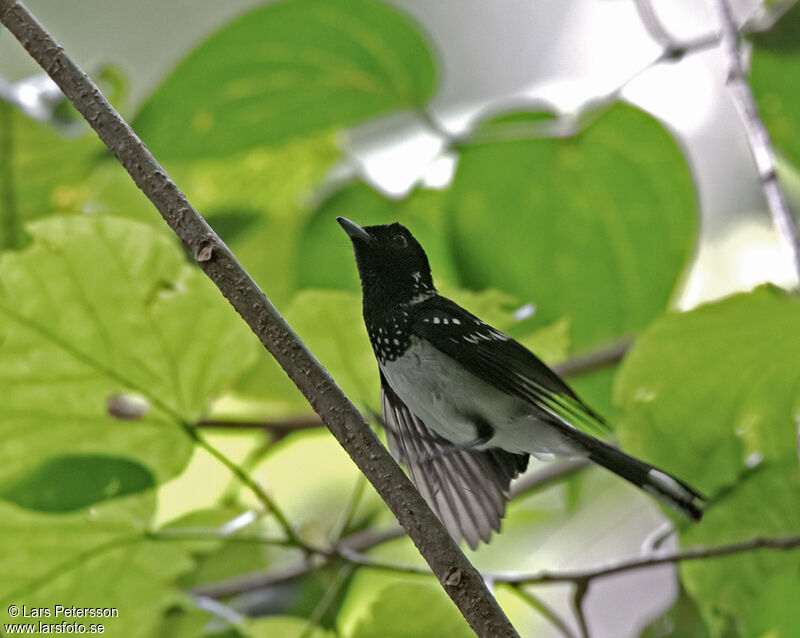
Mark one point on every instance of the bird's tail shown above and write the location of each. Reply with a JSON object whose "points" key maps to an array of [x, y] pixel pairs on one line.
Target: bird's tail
{"points": [[657, 483]]}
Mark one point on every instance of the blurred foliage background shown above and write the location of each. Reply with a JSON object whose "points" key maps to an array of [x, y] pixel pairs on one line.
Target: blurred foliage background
{"points": [[569, 185]]}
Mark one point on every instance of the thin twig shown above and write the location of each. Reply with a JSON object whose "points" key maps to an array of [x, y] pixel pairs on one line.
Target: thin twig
{"points": [[248, 464], [458, 577], [349, 512], [657, 30], [757, 135], [543, 608], [279, 426], [244, 583], [204, 534], [582, 578], [699, 553], [673, 50], [578, 596], [352, 553], [324, 603], [604, 357], [248, 481]]}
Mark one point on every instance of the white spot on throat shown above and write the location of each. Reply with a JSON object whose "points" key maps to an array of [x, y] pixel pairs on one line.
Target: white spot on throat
{"points": [[422, 296]]}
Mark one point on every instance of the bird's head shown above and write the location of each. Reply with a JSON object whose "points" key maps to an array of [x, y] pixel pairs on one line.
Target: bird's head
{"points": [[392, 265]]}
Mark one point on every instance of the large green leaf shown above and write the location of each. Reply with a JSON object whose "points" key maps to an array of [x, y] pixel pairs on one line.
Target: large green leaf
{"points": [[100, 559], [681, 620], [72, 482], [720, 383], [712, 395], [257, 200], [411, 609], [742, 592], [330, 324], [596, 227], [40, 172], [283, 627], [293, 68], [775, 78], [97, 309]]}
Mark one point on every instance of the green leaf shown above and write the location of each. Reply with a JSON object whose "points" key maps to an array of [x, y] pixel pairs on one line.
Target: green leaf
{"points": [[257, 200], [96, 312], [40, 172], [775, 78], [411, 609], [681, 620], [734, 592], [596, 227], [330, 324], [72, 482], [325, 257], [294, 68], [283, 627], [712, 395], [777, 613], [99, 559], [184, 621], [719, 384]]}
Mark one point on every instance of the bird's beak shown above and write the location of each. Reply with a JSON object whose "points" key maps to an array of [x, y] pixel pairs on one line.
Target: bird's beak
{"points": [[354, 231]]}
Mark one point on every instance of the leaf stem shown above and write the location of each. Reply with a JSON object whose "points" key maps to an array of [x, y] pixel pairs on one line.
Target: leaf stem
{"points": [[545, 610], [248, 481], [787, 543]]}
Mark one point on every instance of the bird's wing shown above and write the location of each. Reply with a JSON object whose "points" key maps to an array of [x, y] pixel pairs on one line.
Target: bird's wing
{"points": [[466, 488], [504, 363]]}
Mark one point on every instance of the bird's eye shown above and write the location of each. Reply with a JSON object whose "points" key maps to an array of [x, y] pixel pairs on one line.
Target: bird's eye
{"points": [[400, 240]]}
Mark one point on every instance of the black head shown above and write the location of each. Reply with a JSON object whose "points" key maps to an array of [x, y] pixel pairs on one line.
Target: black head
{"points": [[391, 263]]}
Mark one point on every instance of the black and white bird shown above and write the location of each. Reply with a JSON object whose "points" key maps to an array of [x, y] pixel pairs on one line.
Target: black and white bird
{"points": [[465, 405]]}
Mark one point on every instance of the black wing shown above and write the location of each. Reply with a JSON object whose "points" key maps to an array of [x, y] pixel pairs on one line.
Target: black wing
{"points": [[499, 360], [467, 489]]}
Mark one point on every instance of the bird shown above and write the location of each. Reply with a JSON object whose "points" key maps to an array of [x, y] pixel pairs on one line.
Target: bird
{"points": [[464, 405]]}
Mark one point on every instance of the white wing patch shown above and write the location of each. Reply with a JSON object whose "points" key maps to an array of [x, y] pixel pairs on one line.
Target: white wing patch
{"points": [[485, 335]]}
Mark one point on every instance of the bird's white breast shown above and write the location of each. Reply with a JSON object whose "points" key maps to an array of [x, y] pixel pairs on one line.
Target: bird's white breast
{"points": [[452, 401], [444, 395]]}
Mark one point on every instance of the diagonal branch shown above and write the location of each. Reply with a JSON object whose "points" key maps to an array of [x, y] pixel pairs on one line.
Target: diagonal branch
{"points": [[757, 135], [458, 577]]}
